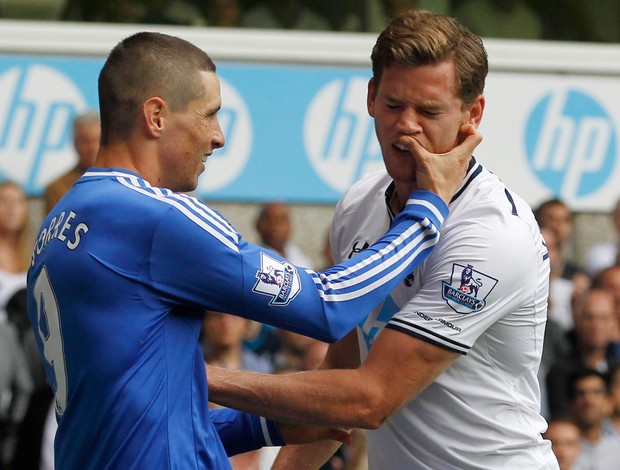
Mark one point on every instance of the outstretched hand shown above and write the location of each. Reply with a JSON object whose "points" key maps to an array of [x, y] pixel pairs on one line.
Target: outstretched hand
{"points": [[298, 434], [443, 173]]}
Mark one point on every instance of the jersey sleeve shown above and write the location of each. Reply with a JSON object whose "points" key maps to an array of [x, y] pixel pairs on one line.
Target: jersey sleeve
{"points": [[486, 272], [243, 432], [214, 268]]}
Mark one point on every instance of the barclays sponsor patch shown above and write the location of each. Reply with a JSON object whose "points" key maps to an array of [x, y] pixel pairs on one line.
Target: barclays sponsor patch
{"points": [[279, 280], [468, 289]]}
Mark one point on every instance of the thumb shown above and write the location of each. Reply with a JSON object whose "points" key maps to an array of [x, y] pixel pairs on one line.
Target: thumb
{"points": [[469, 138]]}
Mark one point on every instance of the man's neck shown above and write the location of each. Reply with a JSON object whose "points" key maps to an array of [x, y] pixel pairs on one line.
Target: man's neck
{"points": [[592, 433], [399, 197]]}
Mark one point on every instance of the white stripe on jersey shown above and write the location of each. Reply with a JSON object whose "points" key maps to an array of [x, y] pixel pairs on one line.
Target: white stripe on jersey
{"points": [[342, 276], [206, 211], [327, 284], [210, 222], [431, 336], [263, 427], [428, 205]]}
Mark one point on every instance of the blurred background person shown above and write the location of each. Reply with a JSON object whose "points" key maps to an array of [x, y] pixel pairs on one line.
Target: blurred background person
{"points": [[274, 228], [591, 406], [559, 320], [222, 339], [562, 291], [15, 243], [15, 378], [609, 279], [602, 255], [614, 393], [590, 345], [556, 216], [15, 389], [565, 438], [86, 136]]}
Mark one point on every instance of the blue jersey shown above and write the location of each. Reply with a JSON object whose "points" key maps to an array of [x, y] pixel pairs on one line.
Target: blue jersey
{"points": [[121, 275]]}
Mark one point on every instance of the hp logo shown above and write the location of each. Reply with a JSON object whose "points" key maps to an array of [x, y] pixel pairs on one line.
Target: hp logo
{"points": [[571, 143], [339, 135], [37, 107]]}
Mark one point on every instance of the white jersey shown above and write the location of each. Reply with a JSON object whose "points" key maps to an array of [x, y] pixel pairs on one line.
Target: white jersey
{"points": [[482, 293]]}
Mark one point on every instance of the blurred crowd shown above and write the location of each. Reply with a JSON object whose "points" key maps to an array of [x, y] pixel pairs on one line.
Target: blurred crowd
{"points": [[568, 20]]}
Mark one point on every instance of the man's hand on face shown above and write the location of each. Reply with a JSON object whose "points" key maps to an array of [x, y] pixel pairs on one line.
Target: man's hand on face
{"points": [[443, 173]]}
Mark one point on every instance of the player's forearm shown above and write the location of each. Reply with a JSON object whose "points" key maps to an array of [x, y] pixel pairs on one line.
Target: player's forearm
{"points": [[328, 305], [306, 457], [349, 289], [336, 398]]}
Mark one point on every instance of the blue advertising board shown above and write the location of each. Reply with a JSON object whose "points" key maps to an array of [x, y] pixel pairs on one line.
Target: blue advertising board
{"points": [[301, 132], [297, 133]]}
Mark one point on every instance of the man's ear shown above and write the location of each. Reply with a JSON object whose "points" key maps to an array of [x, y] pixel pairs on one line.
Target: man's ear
{"points": [[154, 111], [370, 97], [476, 110]]}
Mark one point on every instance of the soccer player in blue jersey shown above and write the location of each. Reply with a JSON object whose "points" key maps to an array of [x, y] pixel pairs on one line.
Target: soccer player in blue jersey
{"points": [[125, 265]]}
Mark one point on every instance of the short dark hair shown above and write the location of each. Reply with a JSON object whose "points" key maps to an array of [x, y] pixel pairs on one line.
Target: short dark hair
{"points": [[545, 205], [144, 65], [583, 373]]}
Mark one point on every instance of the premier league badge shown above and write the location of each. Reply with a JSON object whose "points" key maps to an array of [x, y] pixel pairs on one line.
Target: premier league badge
{"points": [[468, 289], [277, 279]]}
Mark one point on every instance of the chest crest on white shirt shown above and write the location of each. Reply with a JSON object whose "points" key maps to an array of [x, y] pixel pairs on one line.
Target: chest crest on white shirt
{"points": [[468, 288]]}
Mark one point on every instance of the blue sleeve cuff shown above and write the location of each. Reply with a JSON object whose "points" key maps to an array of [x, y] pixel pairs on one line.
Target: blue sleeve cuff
{"points": [[271, 433], [428, 205], [243, 432]]}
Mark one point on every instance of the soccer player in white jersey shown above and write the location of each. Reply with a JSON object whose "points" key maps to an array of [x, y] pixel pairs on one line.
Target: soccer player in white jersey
{"points": [[444, 370], [124, 267]]}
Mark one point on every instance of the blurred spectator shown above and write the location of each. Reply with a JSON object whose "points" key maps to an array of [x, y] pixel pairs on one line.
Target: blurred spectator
{"points": [[559, 318], [273, 225], [590, 404], [562, 291], [603, 255], [565, 438], [293, 349], [555, 215], [15, 245], [512, 19], [591, 346], [222, 342], [15, 389], [36, 432], [86, 136], [614, 393], [609, 280], [284, 14]]}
